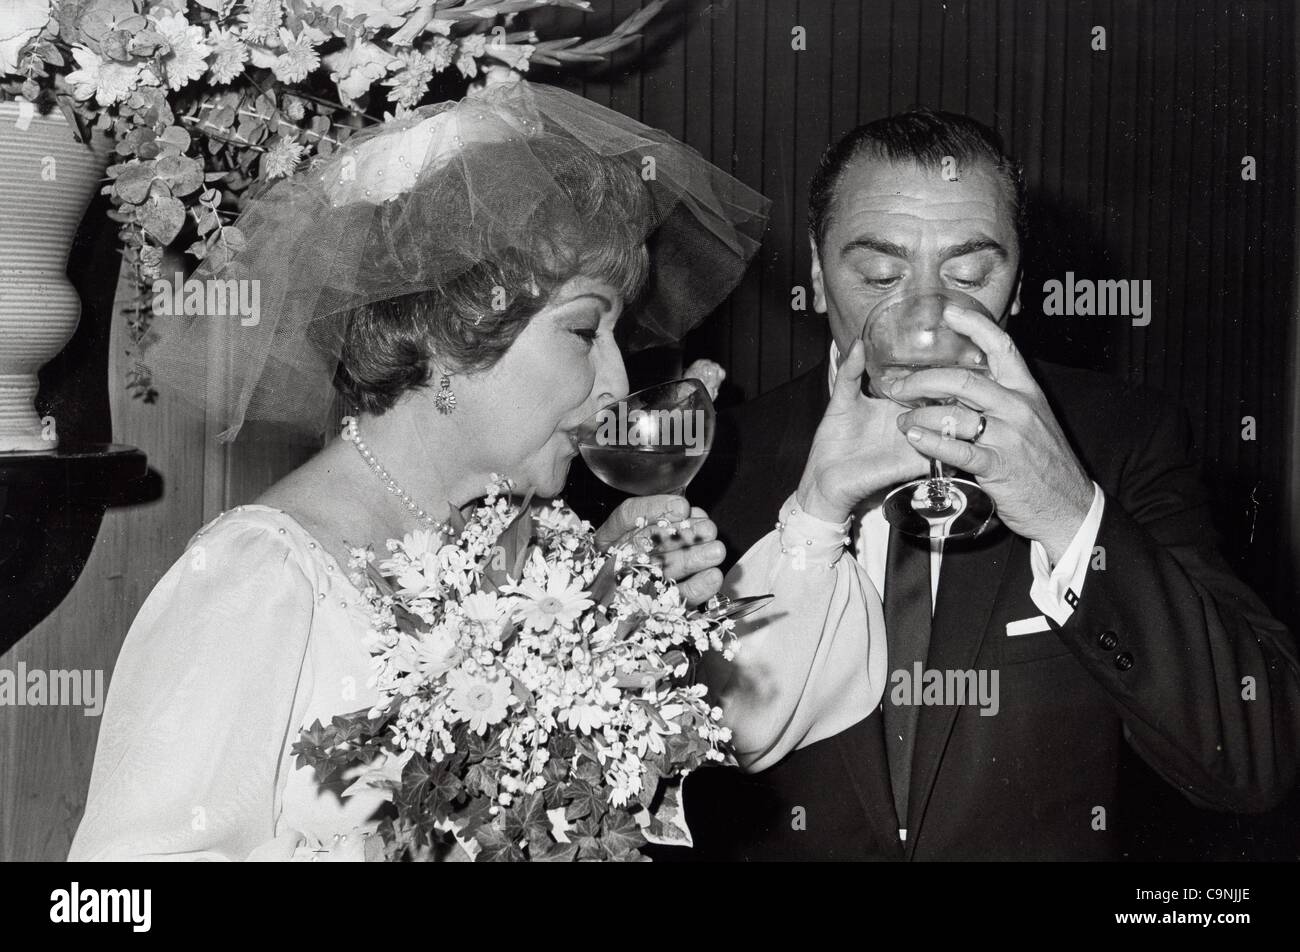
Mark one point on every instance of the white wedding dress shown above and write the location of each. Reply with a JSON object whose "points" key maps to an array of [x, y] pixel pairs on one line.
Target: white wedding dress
{"points": [[251, 636]]}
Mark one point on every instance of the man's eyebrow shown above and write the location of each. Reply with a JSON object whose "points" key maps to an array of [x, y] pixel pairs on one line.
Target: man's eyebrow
{"points": [[982, 243], [870, 243]]}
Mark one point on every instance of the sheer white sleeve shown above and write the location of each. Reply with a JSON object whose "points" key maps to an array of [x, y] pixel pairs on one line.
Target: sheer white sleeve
{"points": [[813, 662]]}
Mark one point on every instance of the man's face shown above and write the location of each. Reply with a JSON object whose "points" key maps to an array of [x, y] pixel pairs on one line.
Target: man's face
{"points": [[902, 228]]}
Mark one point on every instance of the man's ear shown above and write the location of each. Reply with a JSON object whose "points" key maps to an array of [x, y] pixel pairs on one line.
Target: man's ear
{"points": [[818, 281]]}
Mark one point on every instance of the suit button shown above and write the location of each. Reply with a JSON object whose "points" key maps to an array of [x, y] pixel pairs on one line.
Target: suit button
{"points": [[1123, 661], [1107, 640]]}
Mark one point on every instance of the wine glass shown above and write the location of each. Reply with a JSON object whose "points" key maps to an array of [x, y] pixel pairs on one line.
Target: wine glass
{"points": [[655, 441], [903, 334], [652, 441]]}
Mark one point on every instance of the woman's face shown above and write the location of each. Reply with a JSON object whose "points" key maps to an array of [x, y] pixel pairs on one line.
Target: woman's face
{"points": [[517, 418]]}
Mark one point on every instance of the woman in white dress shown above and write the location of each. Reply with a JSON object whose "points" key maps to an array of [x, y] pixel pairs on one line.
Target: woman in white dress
{"points": [[459, 277]]}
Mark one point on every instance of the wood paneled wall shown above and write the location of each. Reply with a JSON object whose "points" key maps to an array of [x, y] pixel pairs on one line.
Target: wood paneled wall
{"points": [[1133, 158]]}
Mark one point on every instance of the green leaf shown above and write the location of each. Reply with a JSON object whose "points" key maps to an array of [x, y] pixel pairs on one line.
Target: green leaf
{"points": [[481, 778], [496, 847], [514, 542], [181, 173], [649, 785], [162, 218], [132, 183], [455, 518], [559, 853], [621, 836], [584, 800], [605, 584], [585, 835], [526, 819]]}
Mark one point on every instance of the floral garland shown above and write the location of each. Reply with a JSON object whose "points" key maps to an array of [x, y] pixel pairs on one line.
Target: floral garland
{"points": [[206, 99]]}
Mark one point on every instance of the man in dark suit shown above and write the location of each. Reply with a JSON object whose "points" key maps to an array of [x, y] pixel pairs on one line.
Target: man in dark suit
{"points": [[1099, 600]]}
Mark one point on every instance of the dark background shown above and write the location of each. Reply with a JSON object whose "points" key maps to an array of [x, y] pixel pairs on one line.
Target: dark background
{"points": [[1133, 157]]}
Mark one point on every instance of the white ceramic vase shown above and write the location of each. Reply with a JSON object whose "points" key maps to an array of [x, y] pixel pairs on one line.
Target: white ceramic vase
{"points": [[47, 178]]}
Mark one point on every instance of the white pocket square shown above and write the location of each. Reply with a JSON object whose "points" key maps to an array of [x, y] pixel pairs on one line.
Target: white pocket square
{"points": [[1028, 626]]}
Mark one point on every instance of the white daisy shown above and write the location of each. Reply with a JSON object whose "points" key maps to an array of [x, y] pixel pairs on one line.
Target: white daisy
{"points": [[481, 700], [187, 60], [298, 58], [109, 82], [282, 158], [560, 601], [231, 53]]}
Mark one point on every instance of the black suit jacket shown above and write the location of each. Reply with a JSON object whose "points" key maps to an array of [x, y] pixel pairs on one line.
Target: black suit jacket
{"points": [[1155, 654]]}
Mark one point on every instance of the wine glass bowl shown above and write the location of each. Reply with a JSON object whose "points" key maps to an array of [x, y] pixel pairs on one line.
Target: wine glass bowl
{"points": [[655, 441], [903, 334], [652, 441]]}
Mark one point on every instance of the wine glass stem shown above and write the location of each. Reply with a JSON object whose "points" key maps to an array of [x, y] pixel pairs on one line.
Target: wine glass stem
{"points": [[938, 486]]}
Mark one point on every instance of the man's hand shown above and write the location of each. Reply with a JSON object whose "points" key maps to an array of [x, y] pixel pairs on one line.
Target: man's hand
{"points": [[1022, 460], [686, 548], [857, 451]]}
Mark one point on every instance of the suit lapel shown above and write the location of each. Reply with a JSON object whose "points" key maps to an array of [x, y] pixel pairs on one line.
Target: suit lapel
{"points": [[862, 751], [970, 579]]}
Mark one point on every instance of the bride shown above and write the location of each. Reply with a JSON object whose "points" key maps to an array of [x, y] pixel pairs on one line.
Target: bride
{"points": [[463, 278]]}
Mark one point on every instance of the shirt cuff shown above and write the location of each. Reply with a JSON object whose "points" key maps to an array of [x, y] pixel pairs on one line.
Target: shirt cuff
{"points": [[810, 541], [1056, 590]]}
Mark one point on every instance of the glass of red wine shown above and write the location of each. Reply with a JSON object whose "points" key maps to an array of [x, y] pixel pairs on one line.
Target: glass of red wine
{"points": [[653, 442], [905, 333]]}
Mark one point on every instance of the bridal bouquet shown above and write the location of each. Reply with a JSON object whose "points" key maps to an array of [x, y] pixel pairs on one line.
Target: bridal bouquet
{"points": [[533, 691]]}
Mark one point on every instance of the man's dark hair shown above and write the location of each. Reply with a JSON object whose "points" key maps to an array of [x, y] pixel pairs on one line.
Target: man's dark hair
{"points": [[921, 136]]}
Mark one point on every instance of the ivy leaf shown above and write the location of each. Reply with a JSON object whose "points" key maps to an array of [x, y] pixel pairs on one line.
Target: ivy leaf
{"points": [[559, 853], [475, 746], [585, 835], [496, 847], [470, 818], [481, 778], [526, 819], [621, 837], [584, 800], [587, 769]]}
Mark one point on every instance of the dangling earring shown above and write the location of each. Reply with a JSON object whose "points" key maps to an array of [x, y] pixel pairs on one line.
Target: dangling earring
{"points": [[445, 398]]}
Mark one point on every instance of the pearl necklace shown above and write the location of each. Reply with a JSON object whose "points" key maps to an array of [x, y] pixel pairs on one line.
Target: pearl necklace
{"points": [[353, 436]]}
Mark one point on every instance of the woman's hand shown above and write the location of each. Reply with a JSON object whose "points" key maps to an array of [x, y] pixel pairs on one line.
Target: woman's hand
{"points": [[683, 540]]}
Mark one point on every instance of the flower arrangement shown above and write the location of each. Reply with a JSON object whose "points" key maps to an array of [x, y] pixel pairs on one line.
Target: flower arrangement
{"points": [[206, 99], [534, 697]]}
